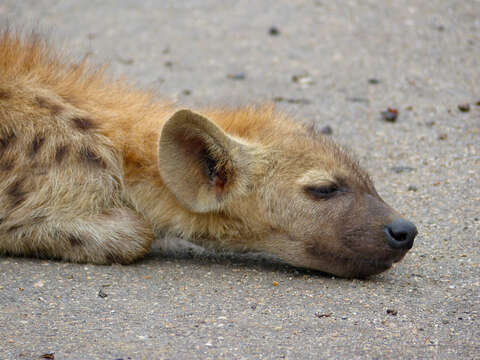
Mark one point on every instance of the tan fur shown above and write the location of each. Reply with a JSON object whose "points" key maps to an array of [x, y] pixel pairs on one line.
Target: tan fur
{"points": [[92, 169]]}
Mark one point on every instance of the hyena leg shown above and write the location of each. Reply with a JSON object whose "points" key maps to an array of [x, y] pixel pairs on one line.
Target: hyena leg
{"points": [[117, 235]]}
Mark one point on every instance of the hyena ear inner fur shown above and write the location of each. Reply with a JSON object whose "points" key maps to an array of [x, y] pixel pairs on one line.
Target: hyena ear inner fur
{"points": [[201, 165]]}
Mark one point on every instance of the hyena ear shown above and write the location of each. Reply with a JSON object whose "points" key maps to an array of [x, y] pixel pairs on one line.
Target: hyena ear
{"points": [[202, 165]]}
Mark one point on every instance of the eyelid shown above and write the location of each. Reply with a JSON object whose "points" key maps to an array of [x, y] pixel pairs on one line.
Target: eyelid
{"points": [[316, 177], [321, 185], [322, 191]]}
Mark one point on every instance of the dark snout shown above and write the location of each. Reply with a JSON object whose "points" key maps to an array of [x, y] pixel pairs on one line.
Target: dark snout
{"points": [[401, 234]]}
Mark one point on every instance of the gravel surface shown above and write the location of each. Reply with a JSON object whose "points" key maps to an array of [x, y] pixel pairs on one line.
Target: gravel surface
{"points": [[342, 64]]}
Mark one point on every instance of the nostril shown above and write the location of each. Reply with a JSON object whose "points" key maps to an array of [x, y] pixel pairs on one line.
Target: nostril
{"points": [[400, 234]]}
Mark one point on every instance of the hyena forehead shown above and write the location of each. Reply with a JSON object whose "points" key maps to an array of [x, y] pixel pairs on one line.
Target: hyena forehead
{"points": [[321, 161], [316, 176]]}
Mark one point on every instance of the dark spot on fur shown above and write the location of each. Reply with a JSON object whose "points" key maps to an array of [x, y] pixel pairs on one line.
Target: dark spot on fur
{"points": [[14, 228], [36, 145], [90, 157], [75, 240], [7, 164], [60, 153], [6, 140], [54, 109], [111, 258], [17, 195], [83, 123], [4, 94]]}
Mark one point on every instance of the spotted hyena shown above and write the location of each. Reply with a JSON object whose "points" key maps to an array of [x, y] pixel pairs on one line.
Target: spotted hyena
{"points": [[91, 170]]}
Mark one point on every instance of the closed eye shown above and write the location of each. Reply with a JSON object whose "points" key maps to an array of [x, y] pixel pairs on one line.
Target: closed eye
{"points": [[322, 191]]}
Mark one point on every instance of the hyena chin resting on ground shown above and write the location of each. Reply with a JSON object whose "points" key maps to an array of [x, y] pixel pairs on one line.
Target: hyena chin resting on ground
{"points": [[91, 170]]}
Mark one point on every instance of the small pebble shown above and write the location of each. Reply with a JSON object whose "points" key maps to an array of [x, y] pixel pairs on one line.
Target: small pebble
{"points": [[326, 130], [412, 188], [320, 315], [401, 169], [102, 293], [301, 101], [237, 76], [464, 107], [390, 115], [275, 283], [442, 136], [304, 79], [373, 81], [273, 31]]}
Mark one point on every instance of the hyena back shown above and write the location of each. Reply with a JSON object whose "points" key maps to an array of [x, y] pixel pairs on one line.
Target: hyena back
{"points": [[91, 169]]}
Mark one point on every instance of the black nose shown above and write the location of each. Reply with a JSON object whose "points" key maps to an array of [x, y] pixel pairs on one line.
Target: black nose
{"points": [[401, 233]]}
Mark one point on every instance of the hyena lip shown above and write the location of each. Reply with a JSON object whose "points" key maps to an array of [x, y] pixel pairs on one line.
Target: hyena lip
{"points": [[376, 265], [353, 262], [369, 266], [386, 262], [361, 267], [366, 266]]}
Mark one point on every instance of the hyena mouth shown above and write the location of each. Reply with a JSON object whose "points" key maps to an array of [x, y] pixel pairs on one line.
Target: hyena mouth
{"points": [[363, 268], [377, 264], [372, 266]]}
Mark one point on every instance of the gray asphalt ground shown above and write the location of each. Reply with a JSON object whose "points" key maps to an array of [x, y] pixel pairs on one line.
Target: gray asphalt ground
{"points": [[194, 305]]}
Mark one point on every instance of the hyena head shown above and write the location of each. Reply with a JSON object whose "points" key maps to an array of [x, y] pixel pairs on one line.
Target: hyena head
{"points": [[287, 192]]}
